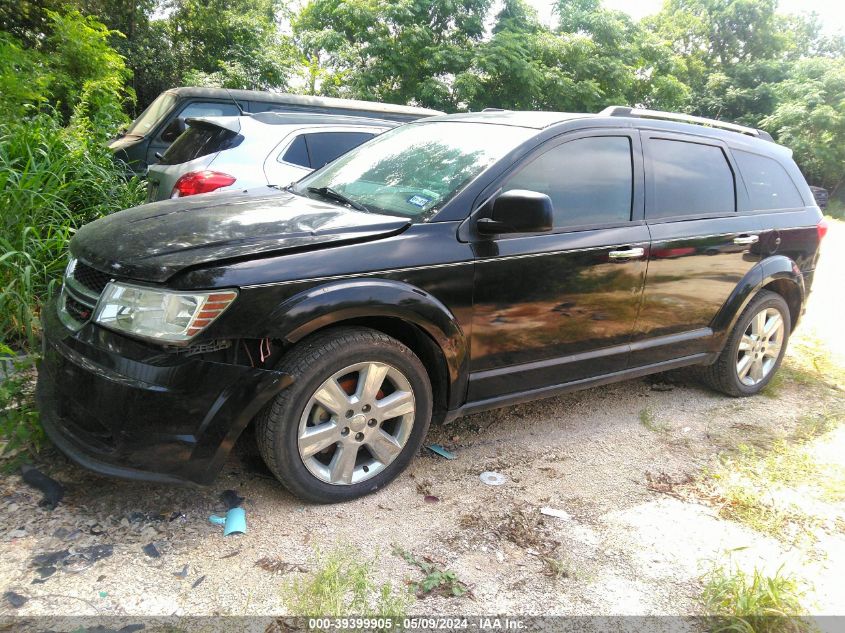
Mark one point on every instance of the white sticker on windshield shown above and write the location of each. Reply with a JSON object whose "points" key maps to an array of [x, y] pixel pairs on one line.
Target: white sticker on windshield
{"points": [[419, 201]]}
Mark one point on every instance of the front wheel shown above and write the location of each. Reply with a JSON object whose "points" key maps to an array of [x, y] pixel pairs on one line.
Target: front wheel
{"points": [[755, 348], [356, 414]]}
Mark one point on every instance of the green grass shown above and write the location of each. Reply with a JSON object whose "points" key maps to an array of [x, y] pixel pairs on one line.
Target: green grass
{"points": [[749, 481], [53, 179], [343, 584], [753, 602], [21, 435], [435, 581], [650, 421]]}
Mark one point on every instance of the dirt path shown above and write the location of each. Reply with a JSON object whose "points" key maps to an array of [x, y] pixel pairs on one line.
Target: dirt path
{"points": [[622, 549]]}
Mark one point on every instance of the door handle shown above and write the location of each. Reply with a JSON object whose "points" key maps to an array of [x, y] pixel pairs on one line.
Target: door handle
{"points": [[747, 239], [628, 253]]}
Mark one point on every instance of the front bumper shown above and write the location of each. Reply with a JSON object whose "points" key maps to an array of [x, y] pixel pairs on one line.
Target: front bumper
{"points": [[125, 409]]}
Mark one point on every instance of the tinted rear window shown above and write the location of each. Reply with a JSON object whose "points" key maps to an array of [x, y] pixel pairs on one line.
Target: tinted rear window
{"points": [[323, 148], [200, 140], [297, 153], [689, 179], [768, 184], [317, 149]]}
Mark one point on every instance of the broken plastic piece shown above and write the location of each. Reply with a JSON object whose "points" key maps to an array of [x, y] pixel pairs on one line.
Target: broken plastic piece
{"points": [[52, 489], [554, 512], [439, 450], [492, 479], [183, 573], [15, 599], [234, 522], [151, 550], [431, 499], [197, 582]]}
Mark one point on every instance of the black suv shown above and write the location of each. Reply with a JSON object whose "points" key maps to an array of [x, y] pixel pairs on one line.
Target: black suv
{"points": [[448, 266]]}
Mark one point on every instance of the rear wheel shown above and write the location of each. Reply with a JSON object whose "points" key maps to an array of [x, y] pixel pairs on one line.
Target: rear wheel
{"points": [[755, 348], [357, 412]]}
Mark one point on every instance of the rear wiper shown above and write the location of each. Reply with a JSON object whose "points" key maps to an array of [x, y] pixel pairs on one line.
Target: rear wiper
{"points": [[331, 194]]}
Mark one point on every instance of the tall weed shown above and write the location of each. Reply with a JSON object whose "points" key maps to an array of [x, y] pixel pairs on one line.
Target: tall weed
{"points": [[52, 181]]}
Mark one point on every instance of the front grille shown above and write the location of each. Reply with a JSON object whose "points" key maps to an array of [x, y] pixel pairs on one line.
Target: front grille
{"points": [[92, 279], [82, 289], [77, 310]]}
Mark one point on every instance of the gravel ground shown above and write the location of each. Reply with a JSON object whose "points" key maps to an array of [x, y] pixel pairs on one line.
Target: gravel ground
{"points": [[625, 549]]}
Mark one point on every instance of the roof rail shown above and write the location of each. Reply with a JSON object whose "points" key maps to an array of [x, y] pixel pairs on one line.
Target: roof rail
{"points": [[494, 110], [641, 113]]}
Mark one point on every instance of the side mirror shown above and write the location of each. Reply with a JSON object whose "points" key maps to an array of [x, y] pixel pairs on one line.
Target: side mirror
{"points": [[519, 211], [174, 129]]}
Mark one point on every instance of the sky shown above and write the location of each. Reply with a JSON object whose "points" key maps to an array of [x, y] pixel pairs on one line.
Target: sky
{"points": [[832, 12]]}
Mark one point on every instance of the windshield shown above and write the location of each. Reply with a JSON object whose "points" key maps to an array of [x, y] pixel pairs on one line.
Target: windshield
{"points": [[415, 169], [152, 115]]}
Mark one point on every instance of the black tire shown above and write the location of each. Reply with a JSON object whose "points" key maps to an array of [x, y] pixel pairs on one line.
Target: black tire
{"points": [[722, 375], [311, 362]]}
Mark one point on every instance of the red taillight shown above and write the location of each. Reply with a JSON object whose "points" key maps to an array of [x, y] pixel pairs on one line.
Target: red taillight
{"points": [[821, 229], [200, 182]]}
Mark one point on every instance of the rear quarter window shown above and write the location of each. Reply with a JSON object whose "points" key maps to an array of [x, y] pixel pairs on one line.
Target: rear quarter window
{"points": [[769, 186], [198, 141], [316, 149], [688, 178]]}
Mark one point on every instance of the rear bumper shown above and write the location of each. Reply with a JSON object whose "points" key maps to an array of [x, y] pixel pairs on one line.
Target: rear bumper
{"points": [[127, 410]]}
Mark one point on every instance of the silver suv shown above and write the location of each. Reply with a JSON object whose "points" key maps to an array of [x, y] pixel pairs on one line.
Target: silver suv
{"points": [[242, 152]]}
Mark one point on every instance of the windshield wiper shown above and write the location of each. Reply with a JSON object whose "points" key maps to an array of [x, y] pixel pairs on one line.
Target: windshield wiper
{"points": [[331, 194]]}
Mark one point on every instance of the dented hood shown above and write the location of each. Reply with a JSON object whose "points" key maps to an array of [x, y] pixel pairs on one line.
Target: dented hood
{"points": [[155, 241]]}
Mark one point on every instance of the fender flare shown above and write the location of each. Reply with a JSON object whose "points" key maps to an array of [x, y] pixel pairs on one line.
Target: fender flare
{"points": [[334, 302], [769, 270]]}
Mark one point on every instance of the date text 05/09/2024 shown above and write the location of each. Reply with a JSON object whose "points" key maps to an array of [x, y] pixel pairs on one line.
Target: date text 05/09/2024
{"points": [[479, 623]]}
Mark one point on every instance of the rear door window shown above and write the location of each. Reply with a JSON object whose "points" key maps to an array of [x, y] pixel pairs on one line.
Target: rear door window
{"points": [[198, 141], [590, 180], [768, 184], [688, 178]]}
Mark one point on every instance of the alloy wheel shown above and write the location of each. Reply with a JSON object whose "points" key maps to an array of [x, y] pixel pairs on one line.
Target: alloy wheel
{"points": [[356, 423], [759, 347]]}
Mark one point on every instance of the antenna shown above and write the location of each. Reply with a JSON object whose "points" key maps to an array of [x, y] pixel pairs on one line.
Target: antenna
{"points": [[237, 105]]}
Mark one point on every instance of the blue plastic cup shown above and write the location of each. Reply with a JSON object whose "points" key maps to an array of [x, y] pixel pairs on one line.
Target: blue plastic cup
{"points": [[235, 522]]}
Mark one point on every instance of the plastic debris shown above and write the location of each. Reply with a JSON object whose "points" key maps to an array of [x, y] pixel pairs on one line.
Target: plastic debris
{"points": [[183, 573], [104, 594], [43, 574], [231, 554], [16, 600], [554, 512], [231, 499], [75, 561], [431, 499], [234, 522], [49, 559], [197, 582], [492, 479], [151, 550], [439, 450], [52, 489]]}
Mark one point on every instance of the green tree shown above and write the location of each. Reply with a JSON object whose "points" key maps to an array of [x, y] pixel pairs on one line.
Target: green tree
{"points": [[810, 118], [230, 43], [595, 57], [396, 51]]}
